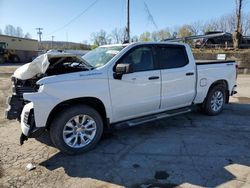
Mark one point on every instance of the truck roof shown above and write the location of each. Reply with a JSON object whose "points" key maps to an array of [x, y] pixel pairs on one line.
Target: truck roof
{"points": [[138, 43]]}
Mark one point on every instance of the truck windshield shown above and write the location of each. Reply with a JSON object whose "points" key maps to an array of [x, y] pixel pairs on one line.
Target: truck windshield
{"points": [[101, 55]]}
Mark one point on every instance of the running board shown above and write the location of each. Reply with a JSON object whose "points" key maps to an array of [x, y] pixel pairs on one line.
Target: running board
{"points": [[146, 119]]}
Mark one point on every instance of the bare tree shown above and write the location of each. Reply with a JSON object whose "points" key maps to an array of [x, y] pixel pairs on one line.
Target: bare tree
{"points": [[19, 32], [10, 30], [27, 35], [225, 23], [231, 23], [184, 31], [196, 27], [118, 35], [100, 38], [161, 35], [237, 35], [115, 35], [246, 24], [135, 38], [208, 26], [146, 36]]}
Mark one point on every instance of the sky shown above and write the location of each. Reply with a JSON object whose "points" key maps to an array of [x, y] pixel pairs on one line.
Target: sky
{"points": [[52, 15]]}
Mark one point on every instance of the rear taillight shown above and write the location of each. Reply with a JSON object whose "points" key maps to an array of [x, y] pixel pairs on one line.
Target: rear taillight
{"points": [[236, 68]]}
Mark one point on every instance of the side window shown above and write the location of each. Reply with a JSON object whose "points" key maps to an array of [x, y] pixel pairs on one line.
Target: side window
{"points": [[172, 57], [140, 58]]}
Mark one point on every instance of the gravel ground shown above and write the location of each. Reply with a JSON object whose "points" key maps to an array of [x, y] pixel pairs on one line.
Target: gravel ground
{"points": [[190, 150]]}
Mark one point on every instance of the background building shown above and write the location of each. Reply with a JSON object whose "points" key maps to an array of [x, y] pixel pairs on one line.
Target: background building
{"points": [[17, 50]]}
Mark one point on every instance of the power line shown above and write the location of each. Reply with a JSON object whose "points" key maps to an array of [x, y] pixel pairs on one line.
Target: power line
{"points": [[150, 17], [122, 13], [75, 18]]}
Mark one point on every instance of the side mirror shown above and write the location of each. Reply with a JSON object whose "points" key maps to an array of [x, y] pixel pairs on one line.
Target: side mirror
{"points": [[121, 69]]}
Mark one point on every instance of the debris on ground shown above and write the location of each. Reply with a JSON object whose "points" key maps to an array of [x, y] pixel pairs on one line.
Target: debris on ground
{"points": [[30, 167]]}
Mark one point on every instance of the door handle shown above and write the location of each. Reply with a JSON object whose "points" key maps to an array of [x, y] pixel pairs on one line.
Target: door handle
{"points": [[189, 74], [153, 77]]}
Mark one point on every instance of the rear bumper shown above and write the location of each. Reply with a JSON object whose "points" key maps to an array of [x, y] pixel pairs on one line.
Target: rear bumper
{"points": [[234, 90]]}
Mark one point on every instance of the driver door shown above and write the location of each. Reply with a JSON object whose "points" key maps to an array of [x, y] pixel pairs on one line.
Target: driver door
{"points": [[136, 93]]}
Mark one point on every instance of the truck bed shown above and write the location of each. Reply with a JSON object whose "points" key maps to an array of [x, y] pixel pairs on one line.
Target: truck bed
{"points": [[206, 62], [209, 71]]}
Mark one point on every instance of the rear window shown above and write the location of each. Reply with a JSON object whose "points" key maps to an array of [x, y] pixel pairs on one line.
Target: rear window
{"points": [[172, 57]]}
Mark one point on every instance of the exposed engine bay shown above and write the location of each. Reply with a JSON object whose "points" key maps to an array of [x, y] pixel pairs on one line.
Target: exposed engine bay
{"points": [[25, 77], [50, 64]]}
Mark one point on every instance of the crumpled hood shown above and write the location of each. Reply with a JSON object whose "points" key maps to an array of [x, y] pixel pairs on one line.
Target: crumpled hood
{"points": [[37, 66]]}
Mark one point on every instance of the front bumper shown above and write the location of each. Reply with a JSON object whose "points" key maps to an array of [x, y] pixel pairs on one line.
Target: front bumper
{"points": [[16, 102], [22, 110], [28, 125], [15, 106]]}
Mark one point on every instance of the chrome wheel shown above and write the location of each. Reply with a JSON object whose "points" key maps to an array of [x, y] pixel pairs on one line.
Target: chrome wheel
{"points": [[217, 101], [79, 131]]}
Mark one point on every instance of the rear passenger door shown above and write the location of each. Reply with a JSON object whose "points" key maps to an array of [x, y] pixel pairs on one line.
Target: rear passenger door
{"points": [[178, 76]]}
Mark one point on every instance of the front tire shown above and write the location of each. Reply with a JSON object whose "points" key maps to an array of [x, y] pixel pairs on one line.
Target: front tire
{"points": [[76, 129], [215, 100]]}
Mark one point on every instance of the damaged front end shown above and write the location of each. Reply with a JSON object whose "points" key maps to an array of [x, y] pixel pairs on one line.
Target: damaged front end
{"points": [[16, 101], [24, 82], [16, 110]]}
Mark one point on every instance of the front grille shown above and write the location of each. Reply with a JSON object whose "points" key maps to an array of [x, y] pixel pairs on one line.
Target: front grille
{"points": [[24, 89]]}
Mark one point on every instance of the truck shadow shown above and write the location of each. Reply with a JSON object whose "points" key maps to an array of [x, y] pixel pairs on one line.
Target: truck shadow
{"points": [[189, 149]]}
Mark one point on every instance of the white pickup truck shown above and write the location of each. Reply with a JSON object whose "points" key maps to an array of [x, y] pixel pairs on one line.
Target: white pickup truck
{"points": [[77, 98]]}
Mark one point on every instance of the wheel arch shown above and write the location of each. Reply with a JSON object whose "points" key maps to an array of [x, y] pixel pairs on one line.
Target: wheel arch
{"points": [[221, 82], [93, 102]]}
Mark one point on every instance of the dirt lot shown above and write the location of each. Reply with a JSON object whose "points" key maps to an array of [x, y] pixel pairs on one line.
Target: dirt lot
{"points": [[191, 150]]}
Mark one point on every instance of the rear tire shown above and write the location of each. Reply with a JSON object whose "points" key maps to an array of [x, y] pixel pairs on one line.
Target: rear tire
{"points": [[76, 129], [215, 100]]}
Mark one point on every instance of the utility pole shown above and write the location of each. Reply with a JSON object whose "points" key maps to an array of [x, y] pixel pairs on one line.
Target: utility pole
{"points": [[52, 37], [40, 37], [67, 39], [39, 33], [128, 22]]}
